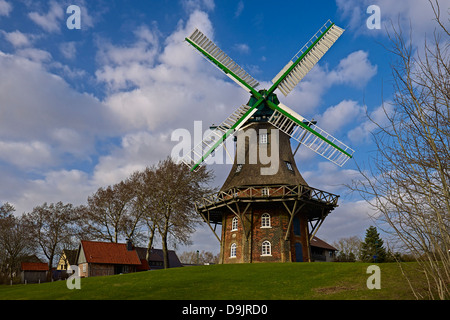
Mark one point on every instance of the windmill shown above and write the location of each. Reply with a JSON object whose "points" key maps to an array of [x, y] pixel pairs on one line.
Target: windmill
{"points": [[268, 217]]}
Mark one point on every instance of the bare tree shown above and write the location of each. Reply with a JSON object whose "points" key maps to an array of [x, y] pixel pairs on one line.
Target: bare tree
{"points": [[106, 216], [174, 191], [15, 242], [409, 180], [199, 257], [348, 248], [143, 204], [52, 227]]}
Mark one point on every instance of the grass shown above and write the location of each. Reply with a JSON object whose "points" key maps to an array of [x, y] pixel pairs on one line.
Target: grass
{"points": [[271, 281]]}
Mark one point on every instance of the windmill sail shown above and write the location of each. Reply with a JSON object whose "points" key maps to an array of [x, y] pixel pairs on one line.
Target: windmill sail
{"points": [[299, 66], [219, 58], [217, 137], [310, 135]]}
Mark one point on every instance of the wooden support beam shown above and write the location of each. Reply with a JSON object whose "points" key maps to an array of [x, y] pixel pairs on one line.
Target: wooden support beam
{"points": [[292, 213], [207, 220]]}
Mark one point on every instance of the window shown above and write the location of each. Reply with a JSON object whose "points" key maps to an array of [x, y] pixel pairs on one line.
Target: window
{"points": [[265, 220], [234, 224], [265, 191], [263, 139], [289, 166], [266, 248], [233, 251]]}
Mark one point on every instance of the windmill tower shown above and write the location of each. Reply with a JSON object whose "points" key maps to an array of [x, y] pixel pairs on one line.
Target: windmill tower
{"points": [[267, 210]]}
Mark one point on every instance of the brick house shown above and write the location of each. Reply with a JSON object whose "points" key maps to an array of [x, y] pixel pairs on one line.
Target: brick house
{"points": [[106, 258]]}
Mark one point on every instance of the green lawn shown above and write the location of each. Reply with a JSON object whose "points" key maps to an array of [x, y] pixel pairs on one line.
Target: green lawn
{"points": [[271, 281]]}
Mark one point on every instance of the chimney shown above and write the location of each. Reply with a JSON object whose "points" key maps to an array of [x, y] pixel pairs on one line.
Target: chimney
{"points": [[129, 245]]}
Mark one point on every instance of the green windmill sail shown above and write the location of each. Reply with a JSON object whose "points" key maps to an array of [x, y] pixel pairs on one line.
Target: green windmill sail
{"points": [[265, 101]]}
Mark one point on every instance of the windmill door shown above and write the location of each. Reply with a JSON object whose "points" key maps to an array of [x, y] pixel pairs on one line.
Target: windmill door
{"points": [[298, 252]]}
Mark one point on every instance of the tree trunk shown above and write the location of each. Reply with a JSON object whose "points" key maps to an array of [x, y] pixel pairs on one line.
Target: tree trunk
{"points": [[165, 251], [150, 243]]}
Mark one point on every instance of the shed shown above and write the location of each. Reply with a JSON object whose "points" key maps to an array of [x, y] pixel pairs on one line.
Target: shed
{"points": [[96, 258], [33, 272], [322, 251]]}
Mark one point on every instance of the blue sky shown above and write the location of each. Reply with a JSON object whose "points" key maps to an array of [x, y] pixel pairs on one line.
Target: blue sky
{"points": [[82, 109]]}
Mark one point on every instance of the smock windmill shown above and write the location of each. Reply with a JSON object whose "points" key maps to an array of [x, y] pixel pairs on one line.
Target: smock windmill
{"points": [[268, 217], [266, 103]]}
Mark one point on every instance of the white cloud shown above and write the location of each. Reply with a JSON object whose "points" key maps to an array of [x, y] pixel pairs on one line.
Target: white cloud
{"points": [[50, 21], [17, 38], [327, 176], [415, 13], [5, 8], [239, 9], [338, 116], [26, 155], [242, 48], [361, 133], [68, 49], [68, 186], [136, 151], [49, 110], [350, 218], [355, 69], [193, 5], [35, 55]]}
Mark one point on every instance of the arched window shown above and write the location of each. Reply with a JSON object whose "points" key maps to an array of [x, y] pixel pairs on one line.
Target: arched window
{"points": [[234, 224], [265, 220], [233, 251], [266, 248]]}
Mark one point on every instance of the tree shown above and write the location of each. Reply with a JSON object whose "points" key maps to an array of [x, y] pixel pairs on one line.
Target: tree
{"points": [[197, 257], [372, 249], [15, 241], [143, 204], [409, 180], [6, 210], [107, 215], [348, 248], [174, 191], [52, 227]]}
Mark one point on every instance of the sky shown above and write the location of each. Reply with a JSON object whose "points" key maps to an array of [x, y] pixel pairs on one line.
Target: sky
{"points": [[83, 108]]}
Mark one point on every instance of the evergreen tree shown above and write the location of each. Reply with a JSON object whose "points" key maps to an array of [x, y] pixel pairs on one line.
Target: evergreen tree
{"points": [[372, 249]]}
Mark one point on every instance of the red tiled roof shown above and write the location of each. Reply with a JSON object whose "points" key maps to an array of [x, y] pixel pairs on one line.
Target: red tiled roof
{"points": [[109, 253], [33, 266]]}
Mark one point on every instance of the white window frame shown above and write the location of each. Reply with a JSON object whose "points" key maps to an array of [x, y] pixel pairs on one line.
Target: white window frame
{"points": [[266, 248], [234, 224], [265, 192], [233, 250], [264, 138], [266, 221]]}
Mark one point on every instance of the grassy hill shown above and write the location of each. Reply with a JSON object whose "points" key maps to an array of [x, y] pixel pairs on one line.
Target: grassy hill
{"points": [[273, 281]]}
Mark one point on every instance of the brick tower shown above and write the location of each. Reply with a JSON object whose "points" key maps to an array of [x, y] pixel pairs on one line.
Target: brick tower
{"points": [[266, 216]]}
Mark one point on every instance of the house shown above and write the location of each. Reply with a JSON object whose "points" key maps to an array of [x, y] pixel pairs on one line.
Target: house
{"points": [[96, 258], [156, 258], [322, 251], [33, 272], [67, 259]]}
